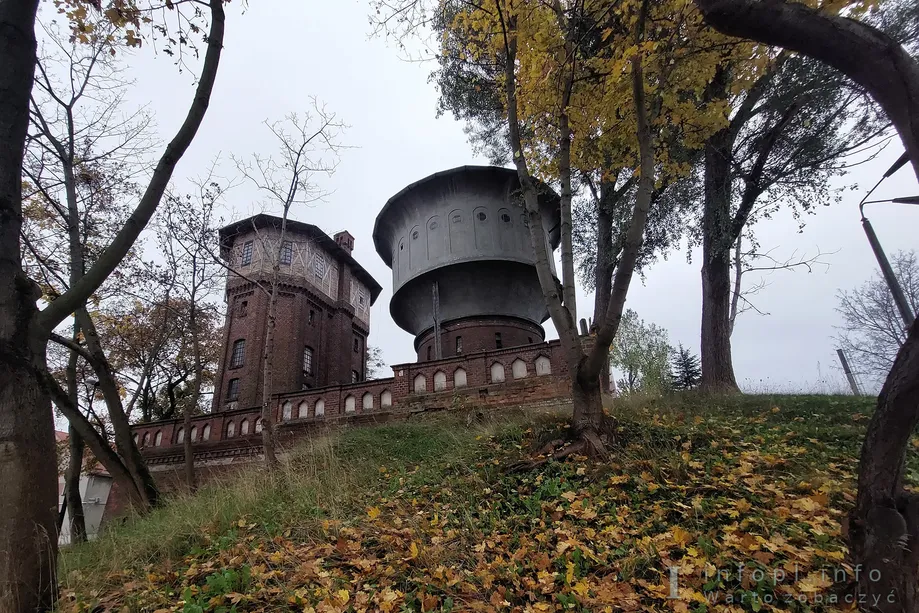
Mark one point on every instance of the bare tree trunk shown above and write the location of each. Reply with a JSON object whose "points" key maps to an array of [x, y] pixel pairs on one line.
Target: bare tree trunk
{"points": [[603, 273], [738, 279], [884, 525], [717, 368], [72, 487], [28, 471], [268, 431], [75, 445], [190, 480]]}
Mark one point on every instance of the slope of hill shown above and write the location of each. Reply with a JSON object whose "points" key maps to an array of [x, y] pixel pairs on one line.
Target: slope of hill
{"points": [[707, 503]]}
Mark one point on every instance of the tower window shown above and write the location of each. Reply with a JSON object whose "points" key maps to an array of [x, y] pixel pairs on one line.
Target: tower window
{"points": [[312, 317], [357, 344], [498, 343], [505, 218], [355, 376], [247, 253], [429, 353], [307, 360], [360, 299], [243, 308], [233, 390], [319, 266], [238, 357], [530, 340], [459, 345], [482, 216], [287, 252]]}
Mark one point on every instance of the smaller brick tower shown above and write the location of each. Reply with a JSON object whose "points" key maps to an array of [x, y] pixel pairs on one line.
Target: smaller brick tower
{"points": [[323, 311]]}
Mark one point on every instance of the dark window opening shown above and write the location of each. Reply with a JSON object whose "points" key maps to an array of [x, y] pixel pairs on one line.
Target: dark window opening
{"points": [[243, 308], [505, 218], [247, 253], [355, 376], [459, 345], [429, 353], [482, 216], [312, 317], [415, 235], [498, 343], [530, 340], [287, 252], [238, 357], [308, 361], [357, 344], [233, 390]]}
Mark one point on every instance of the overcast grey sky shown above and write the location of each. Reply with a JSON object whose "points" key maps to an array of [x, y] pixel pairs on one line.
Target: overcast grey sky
{"points": [[280, 53]]}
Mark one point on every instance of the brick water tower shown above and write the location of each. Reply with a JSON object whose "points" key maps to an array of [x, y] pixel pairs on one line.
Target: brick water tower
{"points": [[464, 278]]}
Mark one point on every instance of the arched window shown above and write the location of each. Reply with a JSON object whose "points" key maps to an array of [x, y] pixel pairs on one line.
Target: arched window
{"points": [[303, 410], [231, 430], [158, 439], [349, 404], [308, 359], [459, 378], [287, 411], [320, 407], [519, 369], [233, 390], [146, 439], [244, 427], [440, 381], [136, 438], [238, 357], [543, 365], [258, 425], [367, 402], [193, 433], [419, 384], [497, 372], [206, 432], [386, 399], [180, 436]]}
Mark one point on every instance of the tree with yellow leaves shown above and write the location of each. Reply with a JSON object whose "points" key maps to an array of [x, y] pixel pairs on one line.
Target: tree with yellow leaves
{"points": [[589, 88]]}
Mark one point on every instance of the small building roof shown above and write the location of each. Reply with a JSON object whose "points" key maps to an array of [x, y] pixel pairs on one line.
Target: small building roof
{"points": [[263, 220]]}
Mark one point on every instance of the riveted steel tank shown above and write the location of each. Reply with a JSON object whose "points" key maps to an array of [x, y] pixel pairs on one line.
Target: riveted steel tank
{"points": [[459, 248]]}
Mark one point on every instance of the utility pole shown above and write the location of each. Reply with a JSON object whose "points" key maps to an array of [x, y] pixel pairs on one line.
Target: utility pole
{"points": [[849, 374], [899, 298]]}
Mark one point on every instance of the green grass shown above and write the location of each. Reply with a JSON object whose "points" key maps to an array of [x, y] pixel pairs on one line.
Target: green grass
{"points": [[685, 460]]}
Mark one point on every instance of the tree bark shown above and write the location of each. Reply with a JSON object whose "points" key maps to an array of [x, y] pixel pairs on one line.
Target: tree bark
{"points": [[75, 446], [717, 368], [28, 470], [884, 525], [72, 487], [190, 481]]}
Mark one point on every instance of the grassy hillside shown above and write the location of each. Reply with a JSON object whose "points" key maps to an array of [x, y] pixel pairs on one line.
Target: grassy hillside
{"points": [[421, 516]]}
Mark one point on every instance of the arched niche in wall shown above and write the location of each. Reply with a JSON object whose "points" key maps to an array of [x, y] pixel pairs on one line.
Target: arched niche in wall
{"points": [[193, 434], [419, 384], [483, 226], [386, 399], [303, 410], [543, 365], [460, 243], [459, 378], [158, 439], [497, 372], [519, 369], [320, 407], [349, 404], [231, 429], [287, 411], [244, 427], [507, 237], [440, 381], [416, 248], [206, 432], [438, 241], [367, 402]]}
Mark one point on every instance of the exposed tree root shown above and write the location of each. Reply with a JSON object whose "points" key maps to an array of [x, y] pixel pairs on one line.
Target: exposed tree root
{"points": [[588, 442]]}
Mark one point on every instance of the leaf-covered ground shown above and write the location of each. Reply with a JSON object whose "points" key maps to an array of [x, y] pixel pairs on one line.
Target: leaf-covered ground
{"points": [[707, 505]]}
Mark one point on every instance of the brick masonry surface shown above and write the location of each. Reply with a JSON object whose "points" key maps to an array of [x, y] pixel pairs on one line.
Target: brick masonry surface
{"points": [[516, 376]]}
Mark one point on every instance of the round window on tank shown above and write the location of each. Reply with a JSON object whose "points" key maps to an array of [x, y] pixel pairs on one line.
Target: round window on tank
{"points": [[457, 219], [505, 218], [433, 225], [415, 235], [482, 216]]}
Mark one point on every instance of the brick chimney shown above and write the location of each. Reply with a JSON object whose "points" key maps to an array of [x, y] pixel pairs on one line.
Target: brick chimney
{"points": [[345, 240]]}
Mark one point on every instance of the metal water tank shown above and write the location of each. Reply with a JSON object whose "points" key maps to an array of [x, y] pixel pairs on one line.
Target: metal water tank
{"points": [[458, 244]]}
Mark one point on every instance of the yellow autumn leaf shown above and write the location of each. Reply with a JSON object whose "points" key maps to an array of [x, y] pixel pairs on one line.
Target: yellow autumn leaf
{"points": [[373, 512], [680, 536]]}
